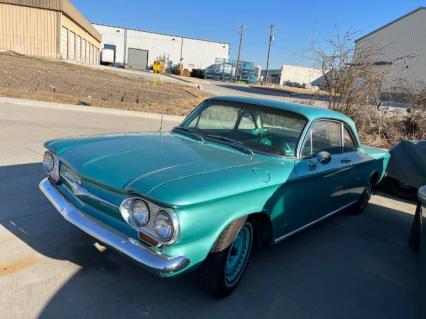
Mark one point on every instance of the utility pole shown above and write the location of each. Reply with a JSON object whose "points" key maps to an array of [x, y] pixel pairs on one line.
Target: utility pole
{"points": [[271, 39], [237, 66]]}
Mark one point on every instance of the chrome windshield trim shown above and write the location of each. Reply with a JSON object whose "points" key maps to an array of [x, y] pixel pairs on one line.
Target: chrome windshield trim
{"points": [[111, 237], [294, 232]]}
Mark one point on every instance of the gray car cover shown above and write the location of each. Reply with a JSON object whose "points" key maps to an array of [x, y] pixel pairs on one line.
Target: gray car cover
{"points": [[408, 163]]}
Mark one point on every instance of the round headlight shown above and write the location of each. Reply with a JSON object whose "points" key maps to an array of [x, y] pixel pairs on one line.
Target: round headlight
{"points": [[48, 162], [163, 225], [140, 212]]}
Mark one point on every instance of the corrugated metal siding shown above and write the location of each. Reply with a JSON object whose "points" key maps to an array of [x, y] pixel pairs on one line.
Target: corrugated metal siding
{"points": [[401, 44], [28, 30], [77, 30], [59, 5], [75, 15]]}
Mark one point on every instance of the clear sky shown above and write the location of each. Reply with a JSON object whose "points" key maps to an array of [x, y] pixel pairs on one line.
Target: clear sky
{"points": [[298, 23]]}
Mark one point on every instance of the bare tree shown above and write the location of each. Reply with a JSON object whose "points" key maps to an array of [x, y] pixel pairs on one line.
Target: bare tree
{"points": [[353, 76]]}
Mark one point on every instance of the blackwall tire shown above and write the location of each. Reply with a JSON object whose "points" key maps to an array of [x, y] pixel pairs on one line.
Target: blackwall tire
{"points": [[216, 276]]}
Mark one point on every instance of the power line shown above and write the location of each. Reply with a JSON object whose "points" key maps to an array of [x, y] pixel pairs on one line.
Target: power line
{"points": [[271, 39], [242, 27]]}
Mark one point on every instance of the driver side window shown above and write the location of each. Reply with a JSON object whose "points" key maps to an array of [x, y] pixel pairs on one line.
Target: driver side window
{"points": [[323, 136]]}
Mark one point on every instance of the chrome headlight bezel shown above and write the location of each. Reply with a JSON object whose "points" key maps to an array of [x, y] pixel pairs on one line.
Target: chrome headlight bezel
{"points": [[164, 216], [149, 228], [51, 171], [48, 162], [133, 212]]}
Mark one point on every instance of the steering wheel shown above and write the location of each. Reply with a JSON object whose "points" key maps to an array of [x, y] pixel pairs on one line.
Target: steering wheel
{"points": [[268, 139]]}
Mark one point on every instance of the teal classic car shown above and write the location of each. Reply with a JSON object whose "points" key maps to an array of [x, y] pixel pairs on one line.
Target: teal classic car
{"points": [[237, 172]]}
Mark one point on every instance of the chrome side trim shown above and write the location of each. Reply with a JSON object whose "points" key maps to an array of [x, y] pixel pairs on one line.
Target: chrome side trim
{"points": [[128, 246], [279, 239]]}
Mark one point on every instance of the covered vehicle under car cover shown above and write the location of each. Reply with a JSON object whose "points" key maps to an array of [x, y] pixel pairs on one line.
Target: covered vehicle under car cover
{"points": [[408, 163]]}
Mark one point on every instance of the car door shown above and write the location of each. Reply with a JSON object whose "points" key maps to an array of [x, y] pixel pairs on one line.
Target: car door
{"points": [[323, 185], [359, 165]]}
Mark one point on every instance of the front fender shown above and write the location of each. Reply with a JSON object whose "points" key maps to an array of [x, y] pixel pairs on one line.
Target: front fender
{"points": [[201, 225]]}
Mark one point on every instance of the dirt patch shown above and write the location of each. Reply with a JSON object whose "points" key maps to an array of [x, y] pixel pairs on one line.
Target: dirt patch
{"points": [[56, 81]]}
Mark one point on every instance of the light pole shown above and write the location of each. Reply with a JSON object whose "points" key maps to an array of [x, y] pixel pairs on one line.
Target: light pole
{"points": [[237, 66], [271, 39]]}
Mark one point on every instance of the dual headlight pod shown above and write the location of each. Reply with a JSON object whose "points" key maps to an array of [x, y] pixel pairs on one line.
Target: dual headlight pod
{"points": [[157, 222]]}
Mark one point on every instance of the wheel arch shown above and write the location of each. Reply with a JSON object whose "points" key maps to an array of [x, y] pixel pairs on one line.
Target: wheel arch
{"points": [[262, 228], [374, 178]]}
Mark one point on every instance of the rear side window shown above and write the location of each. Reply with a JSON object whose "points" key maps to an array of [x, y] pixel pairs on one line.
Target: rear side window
{"points": [[349, 144], [323, 136]]}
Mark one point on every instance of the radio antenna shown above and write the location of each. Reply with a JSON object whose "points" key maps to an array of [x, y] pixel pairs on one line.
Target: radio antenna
{"points": [[162, 107], [156, 77]]}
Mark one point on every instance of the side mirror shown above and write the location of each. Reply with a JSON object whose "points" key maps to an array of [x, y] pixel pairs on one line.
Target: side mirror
{"points": [[324, 157]]}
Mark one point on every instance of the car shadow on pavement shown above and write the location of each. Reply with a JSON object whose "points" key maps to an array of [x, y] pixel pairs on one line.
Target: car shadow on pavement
{"points": [[345, 267]]}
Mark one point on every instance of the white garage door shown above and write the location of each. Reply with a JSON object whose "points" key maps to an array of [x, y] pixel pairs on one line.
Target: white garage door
{"points": [[87, 52], [78, 49], [137, 58], [91, 54], [64, 43], [83, 51], [71, 50]]}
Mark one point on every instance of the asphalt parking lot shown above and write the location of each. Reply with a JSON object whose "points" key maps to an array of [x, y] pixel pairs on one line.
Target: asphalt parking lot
{"points": [[345, 267]]}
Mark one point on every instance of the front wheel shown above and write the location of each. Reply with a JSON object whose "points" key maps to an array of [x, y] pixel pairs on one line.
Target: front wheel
{"points": [[222, 271]]}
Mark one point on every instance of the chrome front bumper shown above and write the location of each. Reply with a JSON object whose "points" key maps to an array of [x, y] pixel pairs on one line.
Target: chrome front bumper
{"points": [[128, 246]]}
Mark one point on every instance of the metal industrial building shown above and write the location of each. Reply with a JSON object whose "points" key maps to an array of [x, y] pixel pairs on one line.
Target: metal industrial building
{"points": [[399, 51], [48, 28], [139, 49], [294, 75]]}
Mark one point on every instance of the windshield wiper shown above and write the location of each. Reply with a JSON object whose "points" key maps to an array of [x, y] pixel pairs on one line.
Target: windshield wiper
{"points": [[231, 142], [189, 131]]}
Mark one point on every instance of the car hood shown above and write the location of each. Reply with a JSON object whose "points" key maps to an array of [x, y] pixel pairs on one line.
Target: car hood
{"points": [[141, 162]]}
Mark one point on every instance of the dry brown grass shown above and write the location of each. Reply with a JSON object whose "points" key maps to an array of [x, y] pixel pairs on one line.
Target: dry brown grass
{"points": [[55, 81]]}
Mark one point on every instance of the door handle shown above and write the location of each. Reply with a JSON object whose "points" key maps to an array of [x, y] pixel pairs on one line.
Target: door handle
{"points": [[312, 165], [346, 160]]}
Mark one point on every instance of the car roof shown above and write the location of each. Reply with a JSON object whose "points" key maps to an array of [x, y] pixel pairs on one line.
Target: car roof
{"points": [[308, 111]]}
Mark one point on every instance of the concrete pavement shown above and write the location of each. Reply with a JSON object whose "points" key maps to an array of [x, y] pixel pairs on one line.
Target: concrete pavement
{"points": [[345, 267]]}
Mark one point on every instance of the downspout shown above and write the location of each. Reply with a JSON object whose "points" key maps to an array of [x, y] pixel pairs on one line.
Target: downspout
{"points": [[181, 53], [125, 48]]}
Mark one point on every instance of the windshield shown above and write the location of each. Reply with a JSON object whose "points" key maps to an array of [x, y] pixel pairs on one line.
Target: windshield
{"points": [[258, 128]]}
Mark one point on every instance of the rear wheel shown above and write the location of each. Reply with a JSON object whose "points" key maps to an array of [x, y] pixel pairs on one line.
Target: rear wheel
{"points": [[363, 200], [222, 270]]}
